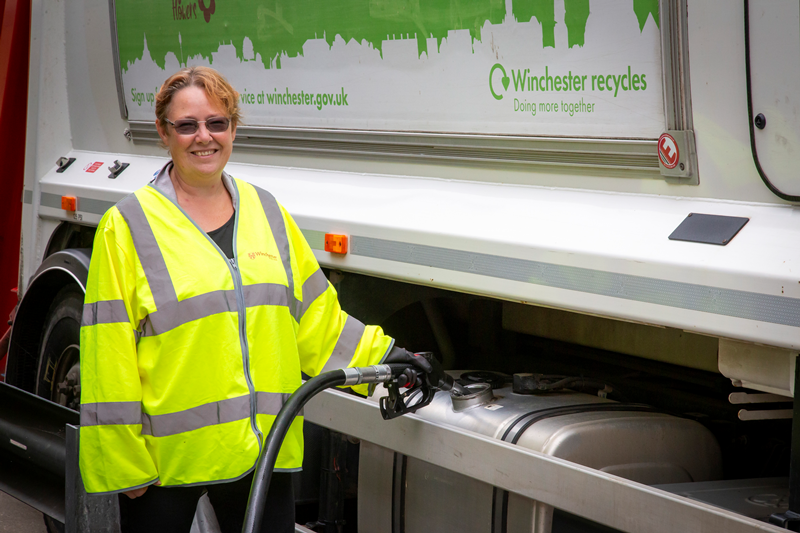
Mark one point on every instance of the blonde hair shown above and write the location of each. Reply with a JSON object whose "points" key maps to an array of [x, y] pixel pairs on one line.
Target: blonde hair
{"points": [[214, 84]]}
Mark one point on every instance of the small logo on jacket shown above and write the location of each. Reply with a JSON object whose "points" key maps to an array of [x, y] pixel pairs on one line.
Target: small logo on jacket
{"points": [[253, 255]]}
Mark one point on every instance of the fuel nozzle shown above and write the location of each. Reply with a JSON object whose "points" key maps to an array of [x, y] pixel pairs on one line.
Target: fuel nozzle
{"points": [[421, 394], [439, 379]]}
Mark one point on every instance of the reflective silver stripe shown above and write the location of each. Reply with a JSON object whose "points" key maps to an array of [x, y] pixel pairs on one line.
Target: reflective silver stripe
{"points": [[111, 413], [315, 239], [211, 303], [198, 417], [345, 348], [163, 184], [211, 414], [313, 288], [704, 298], [85, 205], [104, 312], [270, 403], [278, 227], [155, 268], [178, 313], [265, 294]]}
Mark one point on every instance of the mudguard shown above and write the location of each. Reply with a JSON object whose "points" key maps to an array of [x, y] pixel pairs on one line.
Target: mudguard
{"points": [[70, 266]]}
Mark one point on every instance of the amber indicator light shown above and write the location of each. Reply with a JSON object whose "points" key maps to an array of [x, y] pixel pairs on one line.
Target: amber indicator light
{"points": [[69, 203], [336, 244]]}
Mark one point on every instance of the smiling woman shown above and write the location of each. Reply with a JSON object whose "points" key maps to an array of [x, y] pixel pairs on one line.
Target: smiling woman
{"points": [[190, 110], [204, 307]]}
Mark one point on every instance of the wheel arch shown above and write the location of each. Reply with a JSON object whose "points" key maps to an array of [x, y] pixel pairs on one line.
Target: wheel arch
{"points": [[65, 267]]}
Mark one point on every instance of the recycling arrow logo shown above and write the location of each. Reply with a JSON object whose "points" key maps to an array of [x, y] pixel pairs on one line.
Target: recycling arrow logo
{"points": [[505, 80]]}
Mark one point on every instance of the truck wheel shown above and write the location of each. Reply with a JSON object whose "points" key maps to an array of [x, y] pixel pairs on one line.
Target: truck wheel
{"points": [[58, 377], [59, 353]]}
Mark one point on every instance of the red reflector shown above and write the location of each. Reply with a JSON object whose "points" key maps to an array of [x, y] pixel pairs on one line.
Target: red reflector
{"points": [[336, 244], [69, 203]]}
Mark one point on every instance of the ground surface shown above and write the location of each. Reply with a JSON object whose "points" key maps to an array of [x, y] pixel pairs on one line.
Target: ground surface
{"points": [[17, 517]]}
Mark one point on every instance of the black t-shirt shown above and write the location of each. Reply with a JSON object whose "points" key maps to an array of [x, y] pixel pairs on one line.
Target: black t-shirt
{"points": [[223, 236]]}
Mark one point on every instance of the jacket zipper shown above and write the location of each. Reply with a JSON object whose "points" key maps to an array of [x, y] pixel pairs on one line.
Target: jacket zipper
{"points": [[242, 314], [240, 303]]}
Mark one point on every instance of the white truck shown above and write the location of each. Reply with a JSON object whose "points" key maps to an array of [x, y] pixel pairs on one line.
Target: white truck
{"points": [[600, 191]]}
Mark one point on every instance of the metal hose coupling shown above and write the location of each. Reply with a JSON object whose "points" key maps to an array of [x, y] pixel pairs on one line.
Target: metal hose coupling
{"points": [[367, 374]]}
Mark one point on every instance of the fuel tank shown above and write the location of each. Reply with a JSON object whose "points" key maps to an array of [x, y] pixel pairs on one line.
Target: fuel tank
{"points": [[402, 494]]}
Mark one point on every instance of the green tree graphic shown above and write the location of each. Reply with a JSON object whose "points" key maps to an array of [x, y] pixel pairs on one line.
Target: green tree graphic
{"points": [[544, 11], [282, 27], [575, 17], [645, 8]]}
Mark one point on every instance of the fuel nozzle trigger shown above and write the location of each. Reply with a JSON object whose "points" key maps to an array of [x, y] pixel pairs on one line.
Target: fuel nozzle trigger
{"points": [[398, 403]]}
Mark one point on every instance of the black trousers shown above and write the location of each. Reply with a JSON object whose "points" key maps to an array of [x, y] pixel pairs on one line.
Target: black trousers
{"points": [[172, 509]]}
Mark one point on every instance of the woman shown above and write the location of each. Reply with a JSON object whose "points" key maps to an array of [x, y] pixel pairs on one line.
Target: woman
{"points": [[203, 306]]}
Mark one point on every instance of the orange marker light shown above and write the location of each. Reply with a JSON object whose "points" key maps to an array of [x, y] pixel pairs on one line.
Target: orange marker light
{"points": [[336, 244], [69, 203]]}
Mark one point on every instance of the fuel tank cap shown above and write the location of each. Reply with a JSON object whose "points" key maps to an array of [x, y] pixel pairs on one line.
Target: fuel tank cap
{"points": [[477, 394]]}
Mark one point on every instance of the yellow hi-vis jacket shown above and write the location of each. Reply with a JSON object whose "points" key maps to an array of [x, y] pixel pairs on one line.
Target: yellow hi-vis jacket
{"points": [[186, 356]]}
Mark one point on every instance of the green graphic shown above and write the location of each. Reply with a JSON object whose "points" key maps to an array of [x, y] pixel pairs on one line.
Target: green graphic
{"points": [[645, 8], [278, 27], [505, 80], [575, 17], [197, 28], [577, 12], [544, 11]]}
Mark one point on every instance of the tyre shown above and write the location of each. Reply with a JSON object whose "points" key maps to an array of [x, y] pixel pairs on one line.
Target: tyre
{"points": [[58, 376]]}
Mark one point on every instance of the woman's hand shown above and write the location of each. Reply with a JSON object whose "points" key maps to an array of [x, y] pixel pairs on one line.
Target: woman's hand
{"points": [[135, 493], [410, 376]]}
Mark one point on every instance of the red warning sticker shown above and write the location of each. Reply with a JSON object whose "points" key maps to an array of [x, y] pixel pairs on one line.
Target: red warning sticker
{"points": [[92, 167], [668, 150]]}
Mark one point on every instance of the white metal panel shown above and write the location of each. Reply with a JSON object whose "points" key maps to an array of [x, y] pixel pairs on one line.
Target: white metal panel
{"points": [[775, 89], [48, 134], [95, 116], [716, 43], [578, 234], [758, 367], [90, 91]]}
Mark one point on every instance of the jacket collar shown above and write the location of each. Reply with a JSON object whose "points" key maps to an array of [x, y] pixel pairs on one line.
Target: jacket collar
{"points": [[163, 184]]}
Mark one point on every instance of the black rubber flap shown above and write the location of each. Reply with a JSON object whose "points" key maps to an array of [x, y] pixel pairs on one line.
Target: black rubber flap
{"points": [[708, 229]]}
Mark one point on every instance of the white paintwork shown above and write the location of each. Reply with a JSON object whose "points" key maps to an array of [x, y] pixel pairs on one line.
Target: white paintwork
{"points": [[775, 79], [758, 367], [534, 213], [48, 131], [720, 117], [612, 232]]}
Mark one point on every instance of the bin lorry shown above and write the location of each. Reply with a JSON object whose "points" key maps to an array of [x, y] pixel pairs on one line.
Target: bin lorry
{"points": [[588, 209]]}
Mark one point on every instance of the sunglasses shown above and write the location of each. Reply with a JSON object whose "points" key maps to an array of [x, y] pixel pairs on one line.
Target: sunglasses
{"points": [[189, 126]]}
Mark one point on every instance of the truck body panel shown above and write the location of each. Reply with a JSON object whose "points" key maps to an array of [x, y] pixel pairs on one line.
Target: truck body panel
{"points": [[547, 232]]}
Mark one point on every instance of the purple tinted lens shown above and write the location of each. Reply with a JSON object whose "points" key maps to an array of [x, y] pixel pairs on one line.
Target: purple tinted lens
{"points": [[217, 125], [186, 127], [190, 126]]}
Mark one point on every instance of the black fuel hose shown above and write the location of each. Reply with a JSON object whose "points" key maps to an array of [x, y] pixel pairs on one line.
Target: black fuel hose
{"points": [[272, 445]]}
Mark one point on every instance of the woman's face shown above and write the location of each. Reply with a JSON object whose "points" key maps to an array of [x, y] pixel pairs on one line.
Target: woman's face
{"points": [[202, 155]]}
